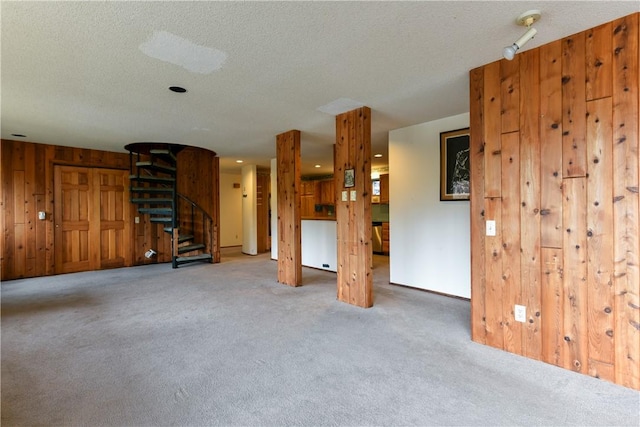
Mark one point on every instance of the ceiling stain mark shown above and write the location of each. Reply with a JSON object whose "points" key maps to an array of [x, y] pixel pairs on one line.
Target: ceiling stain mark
{"points": [[176, 50]]}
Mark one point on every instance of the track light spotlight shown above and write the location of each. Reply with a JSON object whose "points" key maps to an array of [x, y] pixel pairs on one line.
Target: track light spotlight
{"points": [[525, 19], [510, 51]]}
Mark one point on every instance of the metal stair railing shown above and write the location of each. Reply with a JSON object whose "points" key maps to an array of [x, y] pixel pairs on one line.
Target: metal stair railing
{"points": [[200, 224]]}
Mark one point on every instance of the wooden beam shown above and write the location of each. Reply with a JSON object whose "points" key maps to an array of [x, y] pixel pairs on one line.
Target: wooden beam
{"points": [[352, 174], [289, 229]]}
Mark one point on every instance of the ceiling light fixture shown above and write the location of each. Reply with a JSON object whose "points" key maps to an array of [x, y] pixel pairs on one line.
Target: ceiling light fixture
{"points": [[316, 166], [377, 155], [177, 89], [239, 161], [526, 19]]}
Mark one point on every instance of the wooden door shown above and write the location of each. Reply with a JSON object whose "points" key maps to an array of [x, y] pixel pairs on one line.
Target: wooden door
{"points": [[91, 219], [72, 218], [263, 181], [113, 198]]}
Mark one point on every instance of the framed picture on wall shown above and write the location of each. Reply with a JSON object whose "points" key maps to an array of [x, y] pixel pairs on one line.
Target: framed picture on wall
{"points": [[349, 178], [454, 165]]}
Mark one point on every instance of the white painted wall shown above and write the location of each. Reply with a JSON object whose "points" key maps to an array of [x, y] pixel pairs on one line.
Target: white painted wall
{"points": [[320, 244], [319, 238], [429, 239], [274, 208], [249, 210], [230, 210]]}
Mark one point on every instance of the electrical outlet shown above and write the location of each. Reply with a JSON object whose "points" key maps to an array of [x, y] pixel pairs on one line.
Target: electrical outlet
{"points": [[136, 220], [520, 313], [353, 195], [344, 196], [491, 228]]}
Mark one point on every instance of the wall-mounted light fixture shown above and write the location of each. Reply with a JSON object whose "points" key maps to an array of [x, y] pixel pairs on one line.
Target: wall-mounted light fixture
{"points": [[526, 19]]}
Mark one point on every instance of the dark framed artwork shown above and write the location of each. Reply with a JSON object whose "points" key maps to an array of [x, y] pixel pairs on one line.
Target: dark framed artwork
{"points": [[349, 178], [454, 165]]}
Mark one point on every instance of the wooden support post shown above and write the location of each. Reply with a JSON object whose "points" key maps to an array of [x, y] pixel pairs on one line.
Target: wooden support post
{"points": [[289, 229], [352, 175]]}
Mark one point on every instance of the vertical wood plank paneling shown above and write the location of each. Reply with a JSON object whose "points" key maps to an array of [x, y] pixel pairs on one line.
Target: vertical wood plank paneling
{"points": [[30, 207], [198, 179], [600, 231], [353, 151], [289, 231], [50, 151], [19, 242], [363, 206], [599, 66], [476, 159], [491, 131], [510, 94], [510, 230], [551, 145], [8, 207], [579, 202], [494, 282], [552, 294], [35, 164], [530, 196], [342, 221], [626, 211], [574, 193], [352, 236], [574, 147]]}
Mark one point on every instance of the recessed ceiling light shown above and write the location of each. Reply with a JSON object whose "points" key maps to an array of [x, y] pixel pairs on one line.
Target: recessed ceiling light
{"points": [[316, 166], [18, 135], [239, 161], [377, 155], [177, 89]]}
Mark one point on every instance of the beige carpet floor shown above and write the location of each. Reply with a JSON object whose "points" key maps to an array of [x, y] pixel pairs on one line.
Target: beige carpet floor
{"points": [[226, 344]]}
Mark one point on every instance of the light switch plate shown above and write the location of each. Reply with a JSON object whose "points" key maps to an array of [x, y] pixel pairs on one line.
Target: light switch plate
{"points": [[491, 228], [353, 195], [344, 196], [520, 313], [136, 220]]}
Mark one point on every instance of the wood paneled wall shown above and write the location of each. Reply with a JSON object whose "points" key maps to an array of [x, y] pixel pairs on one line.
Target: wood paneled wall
{"points": [[198, 178], [555, 162], [289, 226], [353, 216], [28, 244]]}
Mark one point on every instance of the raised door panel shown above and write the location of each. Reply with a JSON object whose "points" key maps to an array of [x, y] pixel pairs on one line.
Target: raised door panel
{"points": [[115, 244], [72, 213]]}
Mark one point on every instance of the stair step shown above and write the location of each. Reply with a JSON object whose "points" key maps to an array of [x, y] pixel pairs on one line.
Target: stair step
{"points": [[193, 258], [151, 190], [160, 179], [165, 153], [182, 237], [156, 211], [160, 219], [156, 167], [151, 201], [189, 248], [185, 238]]}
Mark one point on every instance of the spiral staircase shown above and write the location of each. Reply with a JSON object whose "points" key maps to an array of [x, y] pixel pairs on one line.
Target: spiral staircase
{"points": [[153, 188]]}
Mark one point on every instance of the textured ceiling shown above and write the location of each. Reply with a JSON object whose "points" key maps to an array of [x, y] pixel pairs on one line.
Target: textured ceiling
{"points": [[95, 74]]}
